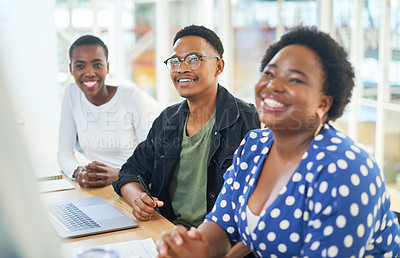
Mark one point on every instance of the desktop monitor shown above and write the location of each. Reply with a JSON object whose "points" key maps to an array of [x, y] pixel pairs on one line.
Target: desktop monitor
{"points": [[24, 227]]}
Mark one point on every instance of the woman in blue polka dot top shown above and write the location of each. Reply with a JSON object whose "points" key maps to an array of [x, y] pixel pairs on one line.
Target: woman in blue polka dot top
{"points": [[299, 187]]}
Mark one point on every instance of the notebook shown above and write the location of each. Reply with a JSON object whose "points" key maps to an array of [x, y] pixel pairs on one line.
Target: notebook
{"points": [[87, 216], [51, 179], [45, 174], [55, 185]]}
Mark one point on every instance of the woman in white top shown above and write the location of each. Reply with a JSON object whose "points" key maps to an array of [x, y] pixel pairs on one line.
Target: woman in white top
{"points": [[109, 121]]}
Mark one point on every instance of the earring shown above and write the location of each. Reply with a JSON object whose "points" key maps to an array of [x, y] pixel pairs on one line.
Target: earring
{"points": [[318, 129], [320, 115]]}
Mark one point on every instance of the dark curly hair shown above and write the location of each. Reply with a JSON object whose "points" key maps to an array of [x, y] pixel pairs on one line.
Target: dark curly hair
{"points": [[88, 40], [339, 73], [205, 33]]}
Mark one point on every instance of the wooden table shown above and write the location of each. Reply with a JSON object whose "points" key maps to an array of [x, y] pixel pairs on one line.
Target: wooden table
{"points": [[147, 229]]}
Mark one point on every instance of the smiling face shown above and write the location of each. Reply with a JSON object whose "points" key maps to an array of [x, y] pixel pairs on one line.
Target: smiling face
{"points": [[89, 67], [201, 82], [289, 93]]}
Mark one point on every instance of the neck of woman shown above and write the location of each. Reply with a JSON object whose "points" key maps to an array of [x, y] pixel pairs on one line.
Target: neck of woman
{"points": [[291, 144], [103, 96]]}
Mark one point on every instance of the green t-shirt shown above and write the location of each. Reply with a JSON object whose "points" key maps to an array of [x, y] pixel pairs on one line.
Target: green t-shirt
{"points": [[189, 184]]}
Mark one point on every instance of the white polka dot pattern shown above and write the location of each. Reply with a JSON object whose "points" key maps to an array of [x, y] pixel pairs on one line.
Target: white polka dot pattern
{"points": [[271, 236], [334, 205]]}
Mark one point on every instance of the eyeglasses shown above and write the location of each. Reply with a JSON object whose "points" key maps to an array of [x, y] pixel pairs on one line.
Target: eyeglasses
{"points": [[192, 62]]}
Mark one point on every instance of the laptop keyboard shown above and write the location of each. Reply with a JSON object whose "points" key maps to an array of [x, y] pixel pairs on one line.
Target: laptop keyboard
{"points": [[71, 217]]}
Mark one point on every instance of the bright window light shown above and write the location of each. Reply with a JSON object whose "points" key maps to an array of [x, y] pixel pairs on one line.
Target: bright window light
{"points": [[126, 19], [105, 18], [82, 18], [61, 18]]}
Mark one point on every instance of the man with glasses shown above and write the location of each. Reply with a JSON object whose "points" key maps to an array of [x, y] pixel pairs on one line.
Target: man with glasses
{"points": [[191, 144]]}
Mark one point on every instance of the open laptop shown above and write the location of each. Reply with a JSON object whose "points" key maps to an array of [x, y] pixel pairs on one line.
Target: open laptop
{"points": [[87, 216]]}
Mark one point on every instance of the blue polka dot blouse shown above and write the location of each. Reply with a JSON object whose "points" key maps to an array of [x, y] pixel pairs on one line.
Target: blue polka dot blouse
{"points": [[334, 205]]}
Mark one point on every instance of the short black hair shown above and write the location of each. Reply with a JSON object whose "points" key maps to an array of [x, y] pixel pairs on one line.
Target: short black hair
{"points": [[88, 40], [338, 71], [197, 30]]}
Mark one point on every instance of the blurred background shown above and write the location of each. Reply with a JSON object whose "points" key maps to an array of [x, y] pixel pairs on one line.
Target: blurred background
{"points": [[35, 37]]}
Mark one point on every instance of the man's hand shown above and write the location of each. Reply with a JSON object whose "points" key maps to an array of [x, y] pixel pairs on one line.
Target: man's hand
{"points": [[143, 206]]}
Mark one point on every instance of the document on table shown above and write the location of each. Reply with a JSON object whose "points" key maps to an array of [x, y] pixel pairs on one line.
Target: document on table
{"points": [[54, 185], [131, 249]]}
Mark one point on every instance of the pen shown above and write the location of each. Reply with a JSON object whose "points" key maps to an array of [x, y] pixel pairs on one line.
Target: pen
{"points": [[147, 190]]}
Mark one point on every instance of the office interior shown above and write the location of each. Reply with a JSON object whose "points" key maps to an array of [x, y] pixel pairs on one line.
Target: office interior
{"points": [[36, 35]]}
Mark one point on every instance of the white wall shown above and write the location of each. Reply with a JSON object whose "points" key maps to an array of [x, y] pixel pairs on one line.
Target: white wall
{"points": [[28, 51]]}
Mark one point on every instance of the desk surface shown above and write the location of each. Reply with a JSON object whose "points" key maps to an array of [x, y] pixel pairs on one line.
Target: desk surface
{"points": [[152, 228]]}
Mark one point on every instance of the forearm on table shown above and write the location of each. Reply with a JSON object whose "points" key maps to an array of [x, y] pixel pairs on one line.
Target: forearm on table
{"points": [[238, 250], [67, 138], [218, 239], [67, 162], [130, 191], [66, 148]]}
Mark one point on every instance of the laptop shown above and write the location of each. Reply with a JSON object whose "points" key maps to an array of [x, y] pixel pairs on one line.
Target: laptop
{"points": [[87, 216]]}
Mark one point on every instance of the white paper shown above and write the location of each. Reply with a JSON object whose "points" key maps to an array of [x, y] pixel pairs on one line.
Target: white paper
{"points": [[131, 249], [54, 185]]}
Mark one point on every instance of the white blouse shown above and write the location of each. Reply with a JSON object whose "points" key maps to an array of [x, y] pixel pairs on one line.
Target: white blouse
{"points": [[107, 133]]}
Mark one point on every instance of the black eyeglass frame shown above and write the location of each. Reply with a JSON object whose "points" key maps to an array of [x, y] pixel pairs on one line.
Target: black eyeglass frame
{"points": [[184, 59]]}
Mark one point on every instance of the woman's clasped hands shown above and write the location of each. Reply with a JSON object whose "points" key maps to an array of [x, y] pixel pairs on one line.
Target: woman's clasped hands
{"points": [[181, 242], [95, 174]]}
